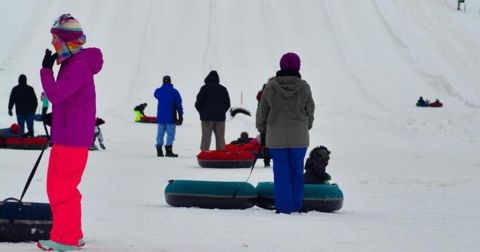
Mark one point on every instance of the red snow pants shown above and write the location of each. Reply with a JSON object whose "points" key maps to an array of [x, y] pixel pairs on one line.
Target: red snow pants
{"points": [[65, 169]]}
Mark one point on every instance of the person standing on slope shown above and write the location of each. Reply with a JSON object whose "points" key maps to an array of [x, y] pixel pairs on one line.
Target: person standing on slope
{"points": [[169, 103], [72, 94], [286, 113], [25, 100], [212, 104]]}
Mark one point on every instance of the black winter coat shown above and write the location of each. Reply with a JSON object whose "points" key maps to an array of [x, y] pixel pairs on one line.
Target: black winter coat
{"points": [[315, 172], [24, 98], [213, 100]]}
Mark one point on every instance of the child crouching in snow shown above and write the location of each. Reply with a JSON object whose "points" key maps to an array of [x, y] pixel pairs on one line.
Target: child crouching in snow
{"points": [[316, 165]]}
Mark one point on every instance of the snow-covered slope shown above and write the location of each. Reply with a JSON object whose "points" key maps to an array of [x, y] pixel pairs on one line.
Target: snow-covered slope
{"points": [[409, 175]]}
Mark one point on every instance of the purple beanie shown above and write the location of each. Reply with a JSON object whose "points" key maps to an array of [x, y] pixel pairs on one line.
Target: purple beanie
{"points": [[290, 61], [67, 28]]}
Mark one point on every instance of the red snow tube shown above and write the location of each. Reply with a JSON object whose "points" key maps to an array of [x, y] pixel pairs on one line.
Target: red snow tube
{"points": [[226, 159], [26, 143], [436, 104], [252, 147], [148, 119]]}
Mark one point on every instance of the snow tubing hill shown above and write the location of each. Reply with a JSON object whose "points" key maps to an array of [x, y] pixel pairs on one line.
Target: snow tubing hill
{"points": [[210, 194], [317, 197], [226, 159], [24, 221], [26, 143]]}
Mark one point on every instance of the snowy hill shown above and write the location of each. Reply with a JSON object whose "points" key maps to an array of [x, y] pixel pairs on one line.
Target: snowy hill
{"points": [[409, 175]]}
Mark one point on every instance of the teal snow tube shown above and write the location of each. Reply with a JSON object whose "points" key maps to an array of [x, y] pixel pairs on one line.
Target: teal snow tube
{"points": [[210, 194], [317, 197]]}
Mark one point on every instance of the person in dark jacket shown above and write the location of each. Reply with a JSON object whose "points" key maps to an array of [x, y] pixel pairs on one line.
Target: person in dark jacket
{"points": [[139, 111], [25, 100], [169, 104], [141, 108], [315, 166], [422, 103], [212, 104], [286, 113], [244, 139]]}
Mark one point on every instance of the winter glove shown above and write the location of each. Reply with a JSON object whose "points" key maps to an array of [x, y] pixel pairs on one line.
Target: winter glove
{"points": [[262, 138], [49, 59], [179, 121], [10, 113]]}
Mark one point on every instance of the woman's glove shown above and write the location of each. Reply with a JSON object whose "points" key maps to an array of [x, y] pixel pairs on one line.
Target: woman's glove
{"points": [[49, 59]]}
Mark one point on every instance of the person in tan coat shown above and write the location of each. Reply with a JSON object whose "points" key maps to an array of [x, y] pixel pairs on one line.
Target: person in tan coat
{"points": [[286, 112]]}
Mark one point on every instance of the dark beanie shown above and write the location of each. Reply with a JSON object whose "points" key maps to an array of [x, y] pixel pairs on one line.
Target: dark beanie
{"points": [[22, 79], [212, 77], [166, 79], [290, 61]]}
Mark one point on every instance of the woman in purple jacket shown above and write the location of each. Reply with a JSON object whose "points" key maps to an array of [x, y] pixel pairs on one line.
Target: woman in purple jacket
{"points": [[72, 94]]}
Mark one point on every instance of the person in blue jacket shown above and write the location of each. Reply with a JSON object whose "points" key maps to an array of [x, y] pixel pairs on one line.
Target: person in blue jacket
{"points": [[169, 104]]}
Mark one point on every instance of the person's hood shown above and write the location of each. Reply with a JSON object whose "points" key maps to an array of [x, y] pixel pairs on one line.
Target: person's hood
{"points": [[93, 56], [212, 78], [287, 86]]}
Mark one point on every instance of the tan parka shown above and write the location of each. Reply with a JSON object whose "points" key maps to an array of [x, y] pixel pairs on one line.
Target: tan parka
{"points": [[286, 112]]}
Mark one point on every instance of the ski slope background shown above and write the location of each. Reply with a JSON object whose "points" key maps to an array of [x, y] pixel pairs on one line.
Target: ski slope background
{"points": [[410, 176]]}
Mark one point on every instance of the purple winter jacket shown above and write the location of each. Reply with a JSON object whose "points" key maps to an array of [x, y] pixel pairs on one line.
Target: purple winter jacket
{"points": [[73, 98]]}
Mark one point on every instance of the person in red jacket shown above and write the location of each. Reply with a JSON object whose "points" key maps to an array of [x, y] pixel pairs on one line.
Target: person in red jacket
{"points": [[266, 155]]}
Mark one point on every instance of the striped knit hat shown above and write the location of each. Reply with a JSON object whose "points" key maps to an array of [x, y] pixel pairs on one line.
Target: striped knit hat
{"points": [[67, 28]]}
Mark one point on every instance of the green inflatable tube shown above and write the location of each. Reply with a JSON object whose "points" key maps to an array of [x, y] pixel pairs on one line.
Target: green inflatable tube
{"points": [[210, 194], [317, 197]]}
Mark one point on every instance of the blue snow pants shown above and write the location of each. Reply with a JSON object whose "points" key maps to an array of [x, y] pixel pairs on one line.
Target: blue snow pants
{"points": [[288, 178], [21, 119], [169, 129]]}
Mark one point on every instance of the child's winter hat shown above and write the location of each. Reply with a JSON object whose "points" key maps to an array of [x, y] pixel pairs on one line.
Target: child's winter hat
{"points": [[290, 61], [320, 153], [67, 28], [14, 128], [167, 79]]}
